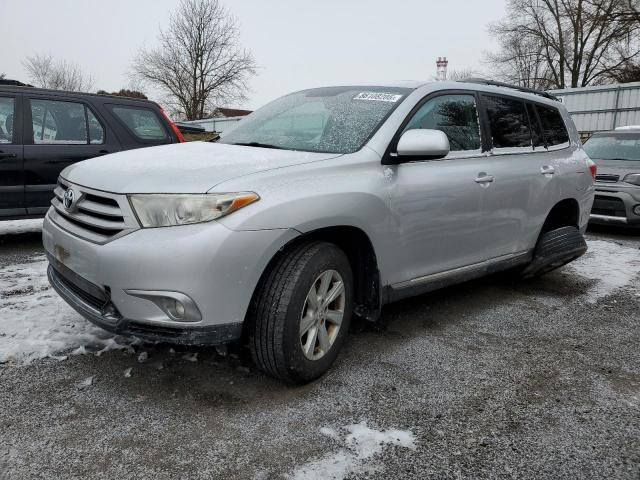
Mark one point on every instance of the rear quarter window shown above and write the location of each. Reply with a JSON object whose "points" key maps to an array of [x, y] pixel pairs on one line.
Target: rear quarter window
{"points": [[143, 123], [553, 127]]}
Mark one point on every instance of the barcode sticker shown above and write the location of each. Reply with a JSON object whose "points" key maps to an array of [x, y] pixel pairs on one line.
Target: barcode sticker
{"points": [[378, 97]]}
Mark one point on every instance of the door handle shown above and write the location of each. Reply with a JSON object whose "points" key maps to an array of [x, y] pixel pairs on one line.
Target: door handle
{"points": [[8, 155], [484, 178], [547, 170]]}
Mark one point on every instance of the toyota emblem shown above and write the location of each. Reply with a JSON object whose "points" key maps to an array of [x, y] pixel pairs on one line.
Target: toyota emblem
{"points": [[69, 198]]}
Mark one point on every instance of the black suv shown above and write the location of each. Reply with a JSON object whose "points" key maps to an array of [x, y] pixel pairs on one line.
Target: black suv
{"points": [[43, 131]]}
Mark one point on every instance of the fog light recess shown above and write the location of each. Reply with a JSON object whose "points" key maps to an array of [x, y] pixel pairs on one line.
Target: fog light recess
{"points": [[636, 210], [177, 306]]}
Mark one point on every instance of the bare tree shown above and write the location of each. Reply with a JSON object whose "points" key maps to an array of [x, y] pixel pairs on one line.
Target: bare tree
{"points": [[2, 75], [199, 63], [461, 74], [520, 61], [566, 43], [45, 72]]}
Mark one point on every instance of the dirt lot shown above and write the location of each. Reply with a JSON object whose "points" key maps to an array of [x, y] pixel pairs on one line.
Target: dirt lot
{"points": [[488, 379]]}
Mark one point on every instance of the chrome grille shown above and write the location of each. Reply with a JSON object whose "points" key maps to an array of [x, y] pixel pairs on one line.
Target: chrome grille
{"points": [[607, 178], [94, 215]]}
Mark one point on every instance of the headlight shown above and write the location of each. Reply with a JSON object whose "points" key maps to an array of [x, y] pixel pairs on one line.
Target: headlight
{"points": [[633, 178], [165, 210]]}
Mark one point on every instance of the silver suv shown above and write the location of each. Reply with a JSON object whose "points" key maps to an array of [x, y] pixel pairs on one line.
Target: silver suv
{"points": [[324, 204], [617, 155]]}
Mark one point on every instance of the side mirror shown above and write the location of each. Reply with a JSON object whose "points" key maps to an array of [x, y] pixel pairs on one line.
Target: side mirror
{"points": [[422, 144]]}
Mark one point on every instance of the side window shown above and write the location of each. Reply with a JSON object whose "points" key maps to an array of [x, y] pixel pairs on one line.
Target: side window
{"points": [[508, 121], [142, 122], [56, 122], [555, 131], [96, 130], [6, 119], [455, 115], [537, 138]]}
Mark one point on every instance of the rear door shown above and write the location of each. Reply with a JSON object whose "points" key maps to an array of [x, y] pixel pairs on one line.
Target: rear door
{"points": [[552, 159], [11, 156], [59, 131], [512, 176]]}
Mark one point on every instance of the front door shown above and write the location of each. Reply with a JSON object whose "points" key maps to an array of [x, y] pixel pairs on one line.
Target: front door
{"points": [[436, 204], [11, 159], [61, 132]]}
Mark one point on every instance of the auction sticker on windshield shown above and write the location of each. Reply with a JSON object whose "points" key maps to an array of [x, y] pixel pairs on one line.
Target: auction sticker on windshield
{"points": [[379, 97]]}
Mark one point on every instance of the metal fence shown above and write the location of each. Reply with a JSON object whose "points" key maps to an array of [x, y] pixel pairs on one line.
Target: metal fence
{"points": [[596, 109]]}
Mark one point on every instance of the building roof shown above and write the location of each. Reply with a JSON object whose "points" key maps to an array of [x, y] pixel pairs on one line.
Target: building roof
{"points": [[231, 112]]}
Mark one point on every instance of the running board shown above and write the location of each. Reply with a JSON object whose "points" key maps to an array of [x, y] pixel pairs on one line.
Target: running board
{"points": [[435, 281]]}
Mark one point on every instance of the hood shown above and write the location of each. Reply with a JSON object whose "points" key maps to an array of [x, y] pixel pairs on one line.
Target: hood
{"points": [[194, 167], [617, 167]]}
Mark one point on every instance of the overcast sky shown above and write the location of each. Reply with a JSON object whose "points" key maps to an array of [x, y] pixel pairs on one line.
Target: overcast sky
{"points": [[296, 43]]}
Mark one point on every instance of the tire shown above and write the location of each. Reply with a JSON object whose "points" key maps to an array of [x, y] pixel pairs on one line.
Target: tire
{"points": [[283, 296], [555, 249]]}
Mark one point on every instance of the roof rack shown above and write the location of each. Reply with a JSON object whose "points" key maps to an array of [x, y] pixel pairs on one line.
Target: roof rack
{"points": [[494, 83]]}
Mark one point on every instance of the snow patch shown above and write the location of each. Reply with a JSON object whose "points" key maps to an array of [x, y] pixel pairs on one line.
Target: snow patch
{"points": [[361, 444], [19, 227], [36, 323], [612, 265], [87, 382], [143, 357], [191, 357]]}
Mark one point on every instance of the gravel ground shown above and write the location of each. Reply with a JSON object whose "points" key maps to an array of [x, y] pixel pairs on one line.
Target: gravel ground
{"points": [[488, 379]]}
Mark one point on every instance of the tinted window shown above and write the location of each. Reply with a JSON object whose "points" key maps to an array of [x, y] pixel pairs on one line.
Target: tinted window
{"points": [[509, 122], [614, 147], [6, 119], [455, 115], [332, 120], [57, 122], [96, 131], [536, 130], [142, 122], [555, 131]]}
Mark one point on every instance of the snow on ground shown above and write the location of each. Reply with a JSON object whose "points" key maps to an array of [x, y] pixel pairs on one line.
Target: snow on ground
{"points": [[360, 446], [36, 323], [17, 227], [611, 264]]}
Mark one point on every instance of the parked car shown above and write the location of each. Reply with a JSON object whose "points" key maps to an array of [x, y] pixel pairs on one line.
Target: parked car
{"points": [[44, 131], [617, 154], [323, 204]]}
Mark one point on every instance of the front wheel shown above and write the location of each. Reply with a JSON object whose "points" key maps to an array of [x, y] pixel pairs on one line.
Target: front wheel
{"points": [[301, 312]]}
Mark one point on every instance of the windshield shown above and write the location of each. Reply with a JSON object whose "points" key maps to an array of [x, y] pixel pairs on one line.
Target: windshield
{"points": [[328, 120], [614, 147]]}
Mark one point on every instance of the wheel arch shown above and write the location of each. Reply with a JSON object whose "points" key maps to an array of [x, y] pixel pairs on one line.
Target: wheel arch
{"points": [[565, 213], [357, 246]]}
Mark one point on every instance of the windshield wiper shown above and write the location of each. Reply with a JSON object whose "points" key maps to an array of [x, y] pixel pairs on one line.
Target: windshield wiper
{"points": [[258, 144]]}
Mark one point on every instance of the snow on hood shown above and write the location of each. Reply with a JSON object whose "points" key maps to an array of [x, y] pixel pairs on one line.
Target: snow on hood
{"points": [[181, 168]]}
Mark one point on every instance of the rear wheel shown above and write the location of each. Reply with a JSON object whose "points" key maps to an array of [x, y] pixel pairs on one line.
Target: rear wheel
{"points": [[555, 249], [301, 312]]}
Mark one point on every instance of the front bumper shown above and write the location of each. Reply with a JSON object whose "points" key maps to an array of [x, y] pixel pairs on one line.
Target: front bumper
{"points": [[615, 206], [107, 317], [214, 266]]}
